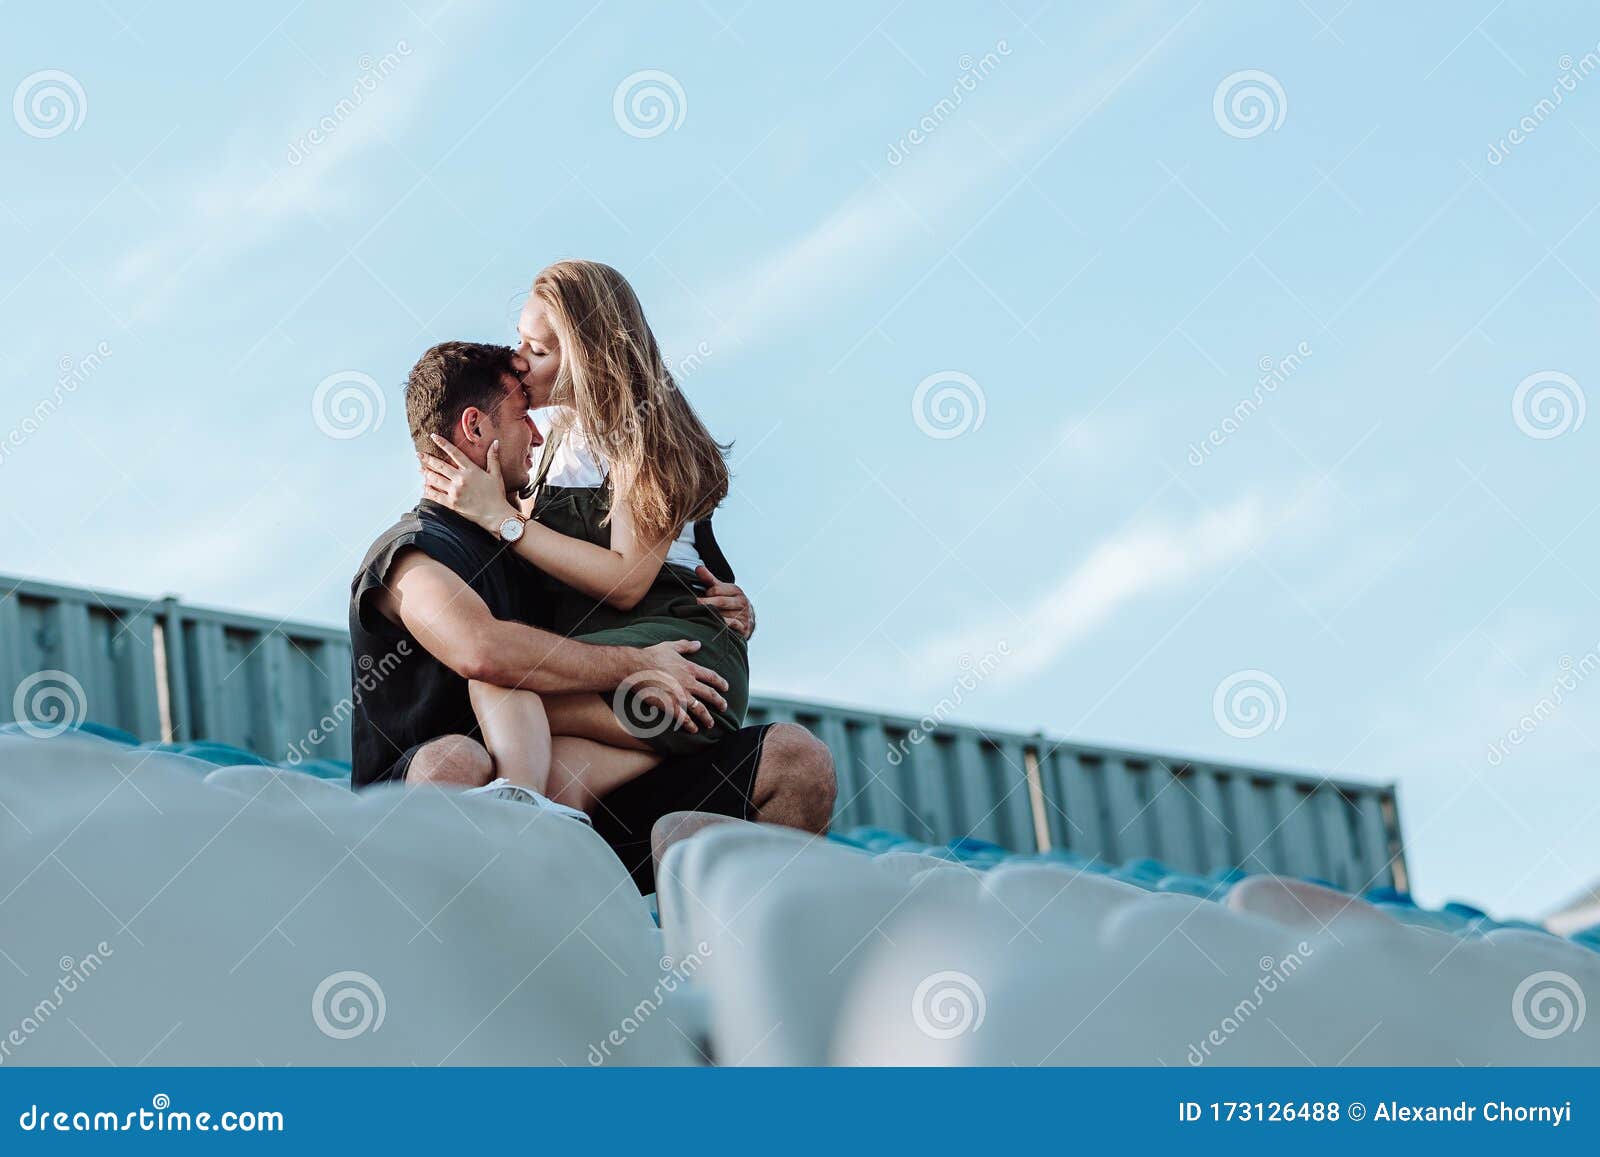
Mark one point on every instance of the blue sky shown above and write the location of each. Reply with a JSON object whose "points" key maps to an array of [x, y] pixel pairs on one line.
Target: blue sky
{"points": [[1103, 249]]}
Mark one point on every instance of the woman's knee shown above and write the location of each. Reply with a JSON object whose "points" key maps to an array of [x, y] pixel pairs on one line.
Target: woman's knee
{"points": [[451, 760], [495, 699]]}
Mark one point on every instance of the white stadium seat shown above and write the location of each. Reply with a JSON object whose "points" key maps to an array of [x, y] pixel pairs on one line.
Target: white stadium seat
{"points": [[822, 955], [273, 784], [159, 918], [174, 912]]}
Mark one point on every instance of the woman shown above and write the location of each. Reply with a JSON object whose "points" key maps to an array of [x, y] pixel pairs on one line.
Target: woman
{"points": [[618, 515]]}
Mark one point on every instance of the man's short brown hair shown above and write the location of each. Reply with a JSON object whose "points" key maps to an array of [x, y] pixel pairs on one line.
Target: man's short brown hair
{"points": [[446, 380]]}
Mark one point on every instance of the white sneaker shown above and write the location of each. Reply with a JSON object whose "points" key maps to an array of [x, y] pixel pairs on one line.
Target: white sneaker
{"points": [[505, 789]]}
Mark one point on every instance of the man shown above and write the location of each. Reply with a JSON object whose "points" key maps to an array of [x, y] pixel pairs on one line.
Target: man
{"points": [[438, 604]]}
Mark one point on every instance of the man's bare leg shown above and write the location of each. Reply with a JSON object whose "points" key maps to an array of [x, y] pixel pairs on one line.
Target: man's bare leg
{"points": [[450, 761], [794, 787], [795, 783], [516, 733], [582, 770]]}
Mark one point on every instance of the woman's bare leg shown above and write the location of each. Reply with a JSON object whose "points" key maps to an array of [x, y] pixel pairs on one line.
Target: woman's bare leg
{"points": [[582, 770], [587, 715], [516, 733]]}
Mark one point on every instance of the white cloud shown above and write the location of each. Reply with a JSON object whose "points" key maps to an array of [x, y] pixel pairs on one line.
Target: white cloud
{"points": [[1134, 563], [276, 176], [853, 243]]}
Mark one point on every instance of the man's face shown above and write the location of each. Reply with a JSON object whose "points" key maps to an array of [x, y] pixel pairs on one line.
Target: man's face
{"points": [[511, 424], [539, 347]]}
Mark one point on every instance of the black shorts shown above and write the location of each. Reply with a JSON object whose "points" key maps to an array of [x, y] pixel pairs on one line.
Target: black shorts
{"points": [[720, 780]]}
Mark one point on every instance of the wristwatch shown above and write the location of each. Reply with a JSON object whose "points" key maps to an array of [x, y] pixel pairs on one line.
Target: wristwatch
{"points": [[511, 529]]}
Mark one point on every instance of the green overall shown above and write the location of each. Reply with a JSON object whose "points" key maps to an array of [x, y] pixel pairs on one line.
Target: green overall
{"points": [[668, 611]]}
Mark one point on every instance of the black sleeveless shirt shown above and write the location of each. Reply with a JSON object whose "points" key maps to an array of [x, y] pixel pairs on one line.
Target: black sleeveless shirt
{"points": [[403, 696]]}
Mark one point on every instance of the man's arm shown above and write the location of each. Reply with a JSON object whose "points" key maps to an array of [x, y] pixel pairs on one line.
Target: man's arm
{"points": [[455, 626]]}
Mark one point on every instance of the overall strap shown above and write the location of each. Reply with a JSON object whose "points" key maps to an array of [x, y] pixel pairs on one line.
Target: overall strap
{"points": [[705, 542], [547, 459]]}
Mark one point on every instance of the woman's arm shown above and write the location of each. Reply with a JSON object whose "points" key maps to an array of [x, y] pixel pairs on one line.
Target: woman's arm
{"points": [[618, 575]]}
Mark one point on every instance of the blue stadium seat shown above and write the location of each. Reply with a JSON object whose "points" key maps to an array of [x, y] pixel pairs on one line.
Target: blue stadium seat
{"points": [[1144, 873], [1525, 926], [1055, 856], [221, 754], [1589, 938], [1190, 886], [102, 730], [1145, 866], [331, 769], [848, 840], [881, 839], [105, 731]]}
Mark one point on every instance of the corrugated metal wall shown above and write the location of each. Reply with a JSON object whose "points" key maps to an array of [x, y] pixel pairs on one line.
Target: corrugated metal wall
{"points": [[164, 670], [1197, 814], [956, 781]]}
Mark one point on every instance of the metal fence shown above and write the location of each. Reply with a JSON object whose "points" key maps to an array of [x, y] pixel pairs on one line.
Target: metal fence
{"points": [[164, 670]]}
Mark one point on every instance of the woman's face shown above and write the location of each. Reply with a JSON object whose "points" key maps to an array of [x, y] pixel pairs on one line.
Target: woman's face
{"points": [[537, 342]]}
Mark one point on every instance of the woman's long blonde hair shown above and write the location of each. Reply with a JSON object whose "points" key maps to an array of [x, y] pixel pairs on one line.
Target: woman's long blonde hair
{"points": [[663, 461]]}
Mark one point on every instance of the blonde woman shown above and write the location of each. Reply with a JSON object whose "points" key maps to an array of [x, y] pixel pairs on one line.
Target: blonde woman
{"points": [[618, 515]]}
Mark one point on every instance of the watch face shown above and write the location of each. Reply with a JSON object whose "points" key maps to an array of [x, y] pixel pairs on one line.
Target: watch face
{"points": [[511, 529]]}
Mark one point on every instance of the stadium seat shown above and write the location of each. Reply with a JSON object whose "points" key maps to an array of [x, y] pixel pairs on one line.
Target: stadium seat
{"points": [[105, 731], [823, 955], [221, 754], [306, 925], [744, 897], [1188, 886], [274, 784], [334, 770]]}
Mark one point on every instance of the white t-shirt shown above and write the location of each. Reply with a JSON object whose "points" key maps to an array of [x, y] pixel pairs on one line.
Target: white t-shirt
{"points": [[576, 464]]}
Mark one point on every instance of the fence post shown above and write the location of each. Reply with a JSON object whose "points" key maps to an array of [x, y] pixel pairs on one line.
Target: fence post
{"points": [[175, 653]]}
